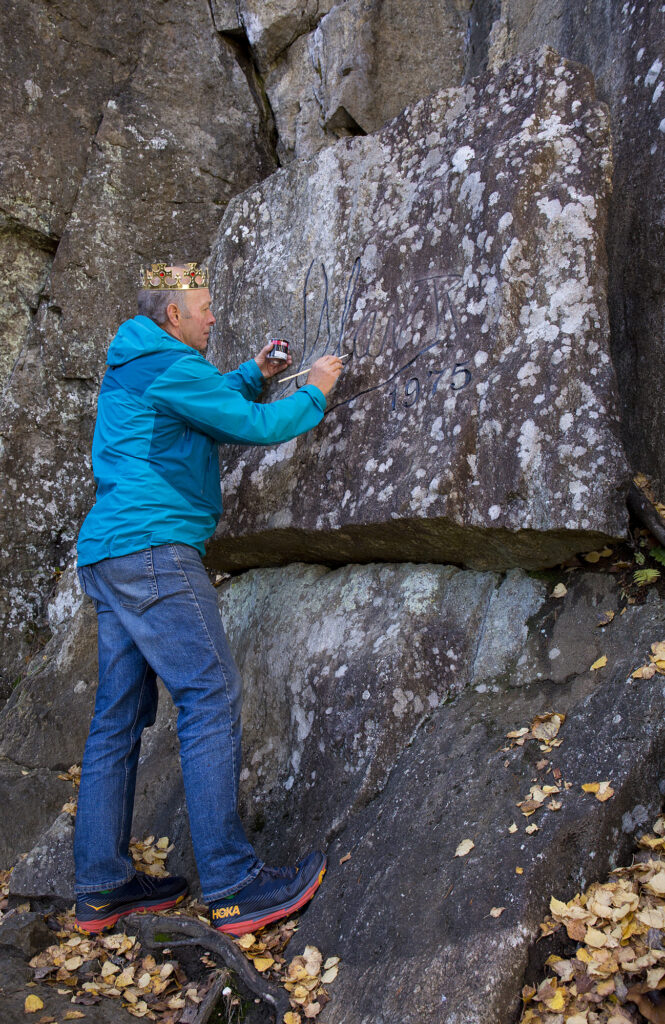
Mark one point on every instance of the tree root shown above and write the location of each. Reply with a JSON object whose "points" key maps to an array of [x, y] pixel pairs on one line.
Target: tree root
{"points": [[644, 511], [156, 931]]}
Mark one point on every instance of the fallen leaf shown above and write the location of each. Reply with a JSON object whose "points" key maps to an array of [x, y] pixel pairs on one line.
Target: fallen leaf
{"points": [[512, 828], [557, 1002], [605, 791], [592, 557], [519, 871], [560, 590], [464, 847], [601, 663], [292, 1018], [262, 963], [607, 618], [530, 829], [497, 911], [329, 975], [32, 1004], [332, 961], [343, 860], [74, 1015], [645, 672], [590, 787]]}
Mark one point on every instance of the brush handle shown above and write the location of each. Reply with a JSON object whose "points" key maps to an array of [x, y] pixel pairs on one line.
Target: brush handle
{"points": [[292, 376]]}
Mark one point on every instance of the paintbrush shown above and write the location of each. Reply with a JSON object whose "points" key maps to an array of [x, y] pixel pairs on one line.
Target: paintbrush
{"points": [[283, 380]]}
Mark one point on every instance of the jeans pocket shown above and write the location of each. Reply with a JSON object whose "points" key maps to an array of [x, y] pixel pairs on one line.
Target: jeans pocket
{"points": [[141, 579], [131, 578]]}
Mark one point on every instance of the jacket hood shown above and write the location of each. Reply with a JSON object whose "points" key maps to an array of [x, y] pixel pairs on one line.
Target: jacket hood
{"points": [[140, 337]]}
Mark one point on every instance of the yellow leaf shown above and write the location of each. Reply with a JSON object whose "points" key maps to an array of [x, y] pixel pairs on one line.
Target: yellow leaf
{"points": [[245, 941], [332, 961], [73, 963], [74, 1015], [262, 963], [592, 557], [605, 791], [558, 907], [512, 828], [530, 829], [466, 846], [595, 938], [163, 843], [645, 672], [32, 1004], [519, 871], [329, 975], [658, 650], [590, 787], [582, 955], [497, 911], [557, 1002], [601, 663], [560, 590], [292, 1018]]}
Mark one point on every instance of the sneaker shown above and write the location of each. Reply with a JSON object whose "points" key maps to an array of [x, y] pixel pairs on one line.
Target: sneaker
{"points": [[98, 911], [274, 893]]}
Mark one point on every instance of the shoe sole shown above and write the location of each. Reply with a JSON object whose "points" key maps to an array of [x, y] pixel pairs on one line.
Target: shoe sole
{"points": [[102, 924], [240, 926]]}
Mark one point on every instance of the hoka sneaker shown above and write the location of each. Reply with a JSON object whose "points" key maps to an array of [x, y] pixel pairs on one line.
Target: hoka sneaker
{"points": [[98, 911], [274, 893]]}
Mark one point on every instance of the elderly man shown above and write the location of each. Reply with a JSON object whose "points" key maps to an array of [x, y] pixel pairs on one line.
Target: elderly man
{"points": [[162, 412]]}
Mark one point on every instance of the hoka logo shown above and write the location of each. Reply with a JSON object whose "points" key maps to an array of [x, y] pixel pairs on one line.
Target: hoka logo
{"points": [[225, 912]]}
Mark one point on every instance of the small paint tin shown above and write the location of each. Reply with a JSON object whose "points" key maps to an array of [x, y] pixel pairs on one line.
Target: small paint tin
{"points": [[279, 350]]}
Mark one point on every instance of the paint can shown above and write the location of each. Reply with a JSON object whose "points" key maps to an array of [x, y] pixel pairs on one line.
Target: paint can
{"points": [[279, 350]]}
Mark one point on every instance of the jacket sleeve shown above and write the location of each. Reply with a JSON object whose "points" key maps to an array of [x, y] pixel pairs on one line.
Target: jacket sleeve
{"points": [[222, 406]]}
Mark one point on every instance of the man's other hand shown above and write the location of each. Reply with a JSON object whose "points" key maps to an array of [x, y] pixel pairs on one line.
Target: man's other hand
{"points": [[271, 367], [324, 373]]}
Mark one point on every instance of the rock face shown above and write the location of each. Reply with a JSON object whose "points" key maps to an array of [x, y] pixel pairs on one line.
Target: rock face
{"points": [[337, 69], [458, 257], [377, 703], [112, 159], [413, 928], [623, 44]]}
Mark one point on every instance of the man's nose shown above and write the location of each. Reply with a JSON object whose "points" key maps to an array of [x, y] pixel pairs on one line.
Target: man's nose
{"points": [[211, 318]]}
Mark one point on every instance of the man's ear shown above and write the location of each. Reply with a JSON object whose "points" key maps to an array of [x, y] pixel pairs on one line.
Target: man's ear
{"points": [[173, 314]]}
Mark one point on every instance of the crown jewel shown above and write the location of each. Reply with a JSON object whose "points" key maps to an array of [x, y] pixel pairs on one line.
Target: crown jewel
{"points": [[164, 275]]}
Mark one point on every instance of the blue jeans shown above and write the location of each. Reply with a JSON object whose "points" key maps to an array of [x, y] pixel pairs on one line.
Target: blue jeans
{"points": [[157, 614]]}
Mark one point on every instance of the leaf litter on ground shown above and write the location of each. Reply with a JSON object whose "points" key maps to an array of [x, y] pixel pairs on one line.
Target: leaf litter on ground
{"points": [[112, 964], [616, 972]]}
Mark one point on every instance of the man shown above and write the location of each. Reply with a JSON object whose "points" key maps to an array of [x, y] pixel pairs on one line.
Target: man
{"points": [[162, 411]]}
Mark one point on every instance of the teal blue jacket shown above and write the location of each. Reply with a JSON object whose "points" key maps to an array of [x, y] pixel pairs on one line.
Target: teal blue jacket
{"points": [[161, 413]]}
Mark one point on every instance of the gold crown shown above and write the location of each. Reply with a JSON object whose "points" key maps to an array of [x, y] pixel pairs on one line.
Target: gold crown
{"points": [[164, 275]]}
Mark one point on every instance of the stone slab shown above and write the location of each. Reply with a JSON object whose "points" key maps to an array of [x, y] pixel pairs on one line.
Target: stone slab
{"points": [[410, 920], [458, 257], [623, 45]]}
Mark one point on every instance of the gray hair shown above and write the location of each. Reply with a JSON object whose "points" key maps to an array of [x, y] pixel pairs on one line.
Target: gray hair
{"points": [[153, 303]]}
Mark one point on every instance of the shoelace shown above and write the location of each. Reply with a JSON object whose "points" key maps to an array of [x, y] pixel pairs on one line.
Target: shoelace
{"points": [[146, 883], [284, 872]]}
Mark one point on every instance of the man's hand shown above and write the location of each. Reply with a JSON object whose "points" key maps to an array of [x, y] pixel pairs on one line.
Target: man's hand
{"points": [[271, 367], [324, 373]]}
